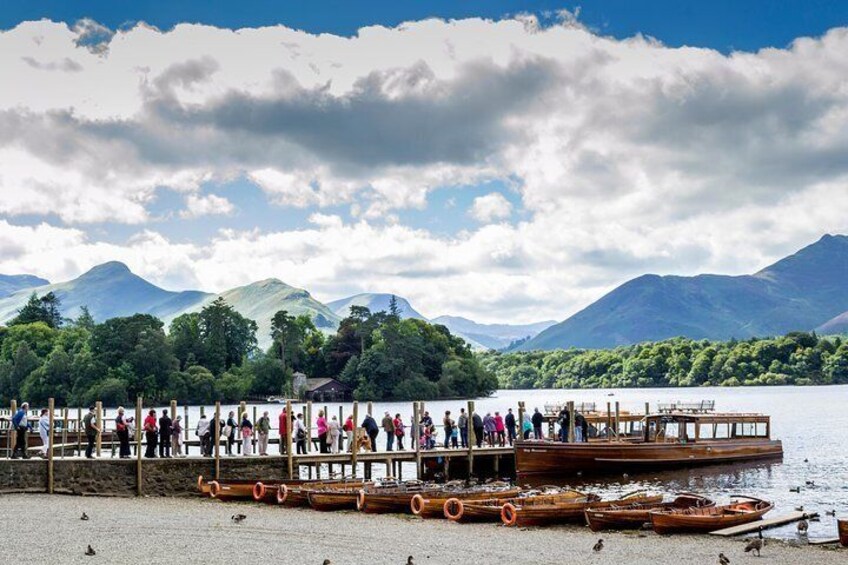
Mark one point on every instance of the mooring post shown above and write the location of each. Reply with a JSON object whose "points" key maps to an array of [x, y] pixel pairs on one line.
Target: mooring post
{"points": [[472, 438], [416, 437], [354, 444], [50, 407], [617, 420], [288, 440], [217, 435], [64, 430], [308, 418], [253, 434], [138, 446], [341, 435], [571, 421], [79, 431], [98, 415], [519, 433], [609, 421], [370, 408]]}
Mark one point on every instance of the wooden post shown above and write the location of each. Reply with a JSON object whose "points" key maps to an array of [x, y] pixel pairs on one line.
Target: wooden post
{"points": [[472, 439], [519, 434], [354, 446], [50, 407], [138, 446], [416, 437], [288, 440], [79, 431], [173, 409], [216, 433], [617, 421], [609, 421], [308, 421], [64, 430], [571, 421], [241, 412], [253, 433], [185, 428], [10, 443], [341, 434], [98, 415]]}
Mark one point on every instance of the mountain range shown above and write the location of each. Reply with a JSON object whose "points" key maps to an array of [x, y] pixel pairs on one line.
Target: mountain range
{"points": [[111, 289], [805, 291]]}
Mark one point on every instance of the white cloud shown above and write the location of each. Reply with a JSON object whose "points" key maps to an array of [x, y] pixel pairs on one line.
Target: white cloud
{"points": [[628, 156], [493, 206], [198, 205]]}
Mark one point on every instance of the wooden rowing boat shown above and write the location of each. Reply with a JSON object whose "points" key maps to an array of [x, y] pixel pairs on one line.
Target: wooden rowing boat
{"points": [[535, 512], [279, 492], [741, 510], [330, 499], [635, 515], [457, 510], [433, 505], [842, 526]]}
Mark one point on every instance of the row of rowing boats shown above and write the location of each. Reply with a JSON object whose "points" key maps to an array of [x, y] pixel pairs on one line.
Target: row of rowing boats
{"points": [[499, 502]]}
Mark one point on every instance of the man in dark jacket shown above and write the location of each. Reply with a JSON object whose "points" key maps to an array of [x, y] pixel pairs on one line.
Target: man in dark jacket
{"points": [[477, 424], [372, 429], [537, 420], [21, 425], [509, 422], [564, 423], [165, 435]]}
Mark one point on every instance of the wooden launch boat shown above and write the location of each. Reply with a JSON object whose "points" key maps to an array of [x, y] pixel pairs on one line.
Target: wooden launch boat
{"points": [[329, 499], [534, 512], [635, 515], [394, 497], [489, 510], [277, 492], [741, 510], [842, 526], [433, 505], [668, 440]]}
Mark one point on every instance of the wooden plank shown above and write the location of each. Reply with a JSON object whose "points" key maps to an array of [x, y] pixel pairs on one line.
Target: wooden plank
{"points": [[764, 524], [826, 541], [51, 407], [138, 446]]}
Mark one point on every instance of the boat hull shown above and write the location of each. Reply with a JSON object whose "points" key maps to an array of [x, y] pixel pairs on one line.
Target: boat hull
{"points": [[331, 500], [574, 512], [708, 519], [551, 459], [635, 516], [434, 506], [842, 526]]}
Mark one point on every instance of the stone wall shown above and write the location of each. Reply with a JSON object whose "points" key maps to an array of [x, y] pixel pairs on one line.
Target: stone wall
{"points": [[117, 477]]}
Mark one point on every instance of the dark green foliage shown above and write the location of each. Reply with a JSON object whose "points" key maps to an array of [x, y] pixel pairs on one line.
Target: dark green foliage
{"points": [[796, 358], [44, 309]]}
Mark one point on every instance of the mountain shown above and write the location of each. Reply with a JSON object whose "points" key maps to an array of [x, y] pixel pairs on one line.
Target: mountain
{"points": [[109, 290], [491, 336], [259, 301], [800, 292], [376, 302], [9, 284]]}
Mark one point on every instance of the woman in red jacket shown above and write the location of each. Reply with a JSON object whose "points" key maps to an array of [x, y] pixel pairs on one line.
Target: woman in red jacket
{"points": [[151, 432], [348, 428]]}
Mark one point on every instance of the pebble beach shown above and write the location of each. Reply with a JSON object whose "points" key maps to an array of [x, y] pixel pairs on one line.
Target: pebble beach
{"points": [[47, 529]]}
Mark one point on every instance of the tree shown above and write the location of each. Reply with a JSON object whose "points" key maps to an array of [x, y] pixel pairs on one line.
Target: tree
{"points": [[282, 330], [45, 309], [186, 340], [227, 336]]}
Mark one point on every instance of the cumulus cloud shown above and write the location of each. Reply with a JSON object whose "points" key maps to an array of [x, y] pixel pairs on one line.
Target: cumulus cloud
{"points": [[628, 156], [493, 206], [198, 205]]}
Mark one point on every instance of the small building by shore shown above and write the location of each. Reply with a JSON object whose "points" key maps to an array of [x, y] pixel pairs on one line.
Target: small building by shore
{"points": [[321, 389]]}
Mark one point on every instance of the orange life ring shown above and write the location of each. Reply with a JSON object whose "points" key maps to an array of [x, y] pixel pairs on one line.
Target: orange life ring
{"points": [[360, 500], [200, 483], [416, 504], [508, 514], [454, 509], [258, 491], [282, 493], [214, 488]]}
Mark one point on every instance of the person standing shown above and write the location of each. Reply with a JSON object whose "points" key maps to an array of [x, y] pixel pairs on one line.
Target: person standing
{"points": [[21, 427], [509, 422], [300, 434], [537, 423], [165, 423], [489, 428], [348, 429], [400, 431], [562, 418], [526, 427], [462, 422], [283, 422], [448, 424], [44, 431], [322, 428], [246, 429], [203, 433], [177, 436], [500, 429], [372, 429], [333, 434], [263, 427], [122, 429], [477, 424], [151, 434], [92, 428], [229, 432], [389, 428]]}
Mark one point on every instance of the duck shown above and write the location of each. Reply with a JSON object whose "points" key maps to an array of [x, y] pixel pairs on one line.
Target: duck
{"points": [[238, 518], [756, 544], [327, 562], [90, 551], [723, 560], [799, 508], [831, 512], [598, 546], [810, 483], [84, 516], [803, 526], [409, 561]]}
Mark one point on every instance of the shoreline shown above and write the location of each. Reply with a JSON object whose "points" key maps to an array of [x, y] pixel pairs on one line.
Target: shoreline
{"points": [[48, 529]]}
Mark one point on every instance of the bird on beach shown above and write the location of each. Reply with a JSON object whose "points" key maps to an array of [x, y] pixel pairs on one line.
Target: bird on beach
{"points": [[238, 518], [723, 560], [831, 512], [803, 526], [84, 516], [811, 483], [409, 561], [799, 508], [794, 489], [806, 460], [90, 551], [327, 562], [756, 544], [598, 546]]}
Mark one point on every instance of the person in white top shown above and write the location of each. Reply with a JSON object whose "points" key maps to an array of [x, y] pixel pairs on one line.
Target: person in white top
{"points": [[333, 434], [44, 430]]}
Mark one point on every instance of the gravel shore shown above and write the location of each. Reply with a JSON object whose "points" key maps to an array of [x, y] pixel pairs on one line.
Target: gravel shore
{"points": [[48, 529]]}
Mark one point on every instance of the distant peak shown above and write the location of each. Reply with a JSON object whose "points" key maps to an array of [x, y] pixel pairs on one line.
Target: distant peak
{"points": [[110, 267]]}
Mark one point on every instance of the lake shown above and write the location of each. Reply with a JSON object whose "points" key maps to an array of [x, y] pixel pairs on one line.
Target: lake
{"points": [[812, 422]]}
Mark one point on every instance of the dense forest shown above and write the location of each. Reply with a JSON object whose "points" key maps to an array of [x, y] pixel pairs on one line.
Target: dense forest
{"points": [[212, 355], [796, 358]]}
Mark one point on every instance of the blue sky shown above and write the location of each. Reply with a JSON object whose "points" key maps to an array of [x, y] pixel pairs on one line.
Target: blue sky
{"points": [[511, 169]]}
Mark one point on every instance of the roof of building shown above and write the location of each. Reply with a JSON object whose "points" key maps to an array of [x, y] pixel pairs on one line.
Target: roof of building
{"points": [[315, 384]]}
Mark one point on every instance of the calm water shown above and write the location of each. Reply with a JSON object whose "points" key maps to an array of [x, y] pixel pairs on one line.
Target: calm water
{"points": [[812, 422]]}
